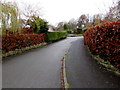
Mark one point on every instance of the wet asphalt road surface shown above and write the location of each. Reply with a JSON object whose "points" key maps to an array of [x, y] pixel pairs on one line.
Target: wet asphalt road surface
{"points": [[84, 72], [38, 68]]}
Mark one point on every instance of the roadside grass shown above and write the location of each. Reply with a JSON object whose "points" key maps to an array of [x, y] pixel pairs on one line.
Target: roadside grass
{"points": [[19, 51], [109, 67], [68, 85], [65, 73], [78, 34], [22, 50]]}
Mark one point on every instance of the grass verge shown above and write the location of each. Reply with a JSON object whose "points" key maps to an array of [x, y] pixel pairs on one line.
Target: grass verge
{"points": [[18, 51], [78, 34], [109, 67]]}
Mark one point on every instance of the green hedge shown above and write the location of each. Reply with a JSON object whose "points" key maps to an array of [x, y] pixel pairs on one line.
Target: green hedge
{"points": [[57, 35]]}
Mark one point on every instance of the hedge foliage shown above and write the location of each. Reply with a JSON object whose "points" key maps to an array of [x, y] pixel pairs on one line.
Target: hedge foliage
{"points": [[23, 41], [27, 31], [53, 36], [104, 40], [12, 42]]}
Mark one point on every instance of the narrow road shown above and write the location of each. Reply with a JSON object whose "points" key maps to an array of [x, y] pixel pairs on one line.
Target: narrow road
{"points": [[38, 68], [84, 72]]}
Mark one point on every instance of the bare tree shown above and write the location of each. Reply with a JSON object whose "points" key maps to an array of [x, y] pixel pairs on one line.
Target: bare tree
{"points": [[114, 12], [60, 25], [73, 23], [97, 18], [82, 20], [32, 11]]}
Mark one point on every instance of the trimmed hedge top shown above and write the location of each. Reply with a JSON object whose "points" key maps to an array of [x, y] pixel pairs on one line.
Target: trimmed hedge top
{"points": [[104, 40], [56, 35]]}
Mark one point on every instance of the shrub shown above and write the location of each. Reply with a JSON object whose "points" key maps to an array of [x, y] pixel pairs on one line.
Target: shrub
{"points": [[69, 31], [53, 36], [104, 40], [27, 31], [85, 29], [12, 42], [39, 25], [78, 31]]}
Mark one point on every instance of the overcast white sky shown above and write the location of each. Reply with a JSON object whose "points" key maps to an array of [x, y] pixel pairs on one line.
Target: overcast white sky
{"points": [[55, 11]]}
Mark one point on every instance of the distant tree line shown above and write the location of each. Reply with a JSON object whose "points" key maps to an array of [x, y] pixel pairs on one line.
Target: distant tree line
{"points": [[85, 20]]}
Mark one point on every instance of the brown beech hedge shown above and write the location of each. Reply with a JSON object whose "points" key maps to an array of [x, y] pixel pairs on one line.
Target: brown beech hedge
{"points": [[104, 40], [12, 42]]}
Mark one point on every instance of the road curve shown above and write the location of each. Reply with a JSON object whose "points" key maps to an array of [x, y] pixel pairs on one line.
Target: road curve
{"points": [[38, 68]]}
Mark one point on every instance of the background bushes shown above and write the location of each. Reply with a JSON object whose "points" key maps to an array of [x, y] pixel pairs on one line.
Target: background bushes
{"points": [[53, 36], [104, 40], [12, 42], [39, 25]]}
